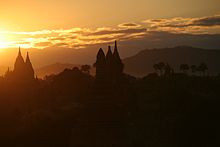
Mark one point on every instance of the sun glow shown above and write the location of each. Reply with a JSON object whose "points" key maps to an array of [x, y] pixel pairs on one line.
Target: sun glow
{"points": [[4, 43], [8, 40]]}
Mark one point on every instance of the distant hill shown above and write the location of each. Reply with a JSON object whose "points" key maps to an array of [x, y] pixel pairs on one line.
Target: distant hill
{"points": [[55, 69], [142, 63]]}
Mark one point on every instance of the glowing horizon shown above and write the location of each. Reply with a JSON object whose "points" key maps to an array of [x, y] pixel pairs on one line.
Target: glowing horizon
{"points": [[59, 27], [82, 37], [40, 24]]}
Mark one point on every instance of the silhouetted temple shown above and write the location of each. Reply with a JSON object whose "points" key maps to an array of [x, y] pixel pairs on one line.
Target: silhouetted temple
{"points": [[109, 66], [23, 70], [103, 118]]}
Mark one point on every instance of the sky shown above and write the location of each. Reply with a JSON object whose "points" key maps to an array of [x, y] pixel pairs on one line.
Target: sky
{"points": [[32, 15], [49, 25]]}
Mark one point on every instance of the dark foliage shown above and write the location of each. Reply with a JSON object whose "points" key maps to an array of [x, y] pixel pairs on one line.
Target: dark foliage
{"points": [[74, 109]]}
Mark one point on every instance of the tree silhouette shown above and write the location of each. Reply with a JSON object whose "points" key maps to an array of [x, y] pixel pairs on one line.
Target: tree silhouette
{"points": [[184, 68], [202, 68], [156, 67], [167, 70], [86, 68], [193, 68], [159, 67]]}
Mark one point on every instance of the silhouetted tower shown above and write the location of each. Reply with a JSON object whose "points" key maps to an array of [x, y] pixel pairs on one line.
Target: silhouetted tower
{"points": [[102, 122], [19, 65], [118, 63], [109, 57], [110, 64], [100, 65], [23, 70], [109, 67], [29, 68]]}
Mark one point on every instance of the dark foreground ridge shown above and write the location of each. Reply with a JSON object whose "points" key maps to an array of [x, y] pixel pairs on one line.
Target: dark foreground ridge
{"points": [[112, 109]]}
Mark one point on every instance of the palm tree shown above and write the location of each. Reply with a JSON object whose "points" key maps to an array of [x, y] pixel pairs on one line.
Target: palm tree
{"points": [[167, 70], [159, 67], [156, 68], [202, 68], [193, 68], [184, 68]]}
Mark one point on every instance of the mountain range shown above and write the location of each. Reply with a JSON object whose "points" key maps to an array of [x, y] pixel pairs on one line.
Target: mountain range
{"points": [[142, 63]]}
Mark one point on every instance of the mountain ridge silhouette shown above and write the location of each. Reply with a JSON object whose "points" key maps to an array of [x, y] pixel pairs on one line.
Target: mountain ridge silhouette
{"points": [[142, 63]]}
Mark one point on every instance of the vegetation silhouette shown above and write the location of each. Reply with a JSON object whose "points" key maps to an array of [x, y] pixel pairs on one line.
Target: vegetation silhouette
{"points": [[110, 109]]}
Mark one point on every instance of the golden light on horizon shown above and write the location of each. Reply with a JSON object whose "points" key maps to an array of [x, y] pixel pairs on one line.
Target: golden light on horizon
{"points": [[9, 39], [3, 42], [85, 25]]}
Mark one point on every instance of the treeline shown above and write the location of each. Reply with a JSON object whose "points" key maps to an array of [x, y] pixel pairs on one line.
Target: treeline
{"points": [[166, 108], [164, 68]]}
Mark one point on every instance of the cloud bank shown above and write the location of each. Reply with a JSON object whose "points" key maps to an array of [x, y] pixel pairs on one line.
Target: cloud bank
{"points": [[78, 38]]}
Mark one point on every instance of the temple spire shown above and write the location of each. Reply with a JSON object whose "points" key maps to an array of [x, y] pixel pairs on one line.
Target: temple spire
{"points": [[28, 58], [109, 51], [109, 55], [19, 51], [100, 65], [115, 53], [109, 48], [29, 67], [19, 59], [100, 54], [119, 65], [116, 47]]}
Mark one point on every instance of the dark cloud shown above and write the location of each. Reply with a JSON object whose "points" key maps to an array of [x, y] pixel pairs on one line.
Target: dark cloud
{"points": [[157, 39], [208, 21], [187, 22], [129, 25], [157, 20]]}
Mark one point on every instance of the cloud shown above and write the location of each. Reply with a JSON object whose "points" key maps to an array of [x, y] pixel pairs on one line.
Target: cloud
{"points": [[129, 25], [43, 44], [208, 21], [60, 45], [186, 25], [83, 37], [59, 38], [118, 31]]}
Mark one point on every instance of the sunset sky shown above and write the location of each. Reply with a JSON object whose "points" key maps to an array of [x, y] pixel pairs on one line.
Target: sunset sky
{"points": [[83, 24]]}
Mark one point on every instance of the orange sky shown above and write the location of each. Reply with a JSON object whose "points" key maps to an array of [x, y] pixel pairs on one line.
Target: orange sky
{"points": [[79, 24], [32, 23], [33, 15]]}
